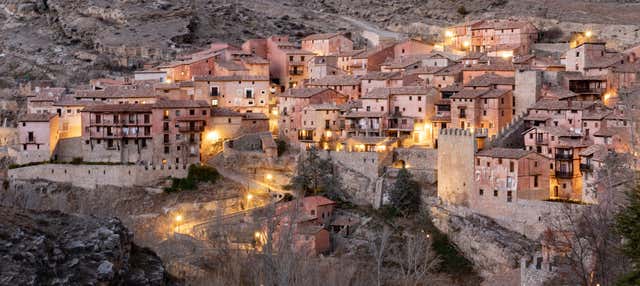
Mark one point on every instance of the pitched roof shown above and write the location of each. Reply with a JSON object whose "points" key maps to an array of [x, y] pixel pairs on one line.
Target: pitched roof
{"points": [[491, 79], [385, 92], [304, 92], [554, 104], [126, 107], [469, 93], [336, 80], [508, 153], [36, 117], [224, 112], [232, 78], [378, 75], [232, 66], [164, 103], [324, 36]]}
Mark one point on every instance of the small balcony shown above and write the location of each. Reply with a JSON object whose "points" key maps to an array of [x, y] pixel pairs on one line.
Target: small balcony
{"points": [[186, 129], [564, 156], [540, 140], [296, 72], [586, 167], [561, 174]]}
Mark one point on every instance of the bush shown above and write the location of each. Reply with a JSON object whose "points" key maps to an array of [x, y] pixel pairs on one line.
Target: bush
{"points": [[462, 11], [405, 193], [282, 146], [197, 174]]}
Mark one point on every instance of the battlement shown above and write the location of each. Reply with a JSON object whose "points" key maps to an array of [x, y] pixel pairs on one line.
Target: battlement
{"points": [[477, 132]]}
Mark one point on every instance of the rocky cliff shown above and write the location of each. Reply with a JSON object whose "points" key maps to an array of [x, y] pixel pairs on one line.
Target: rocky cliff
{"points": [[492, 248], [53, 248], [62, 39]]}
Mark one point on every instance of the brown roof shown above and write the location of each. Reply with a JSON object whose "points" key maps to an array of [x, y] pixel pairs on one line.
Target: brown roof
{"points": [[470, 93], [425, 70], [255, 116], [164, 103], [325, 36], [36, 117], [336, 80], [304, 92], [232, 66], [490, 67], [385, 92], [126, 107], [232, 78], [450, 70], [453, 87], [378, 75], [597, 151], [508, 153], [224, 112], [491, 79], [554, 104], [495, 93]]}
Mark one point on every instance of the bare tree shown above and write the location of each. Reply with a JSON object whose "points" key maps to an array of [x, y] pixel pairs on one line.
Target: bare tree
{"points": [[416, 260], [379, 245]]}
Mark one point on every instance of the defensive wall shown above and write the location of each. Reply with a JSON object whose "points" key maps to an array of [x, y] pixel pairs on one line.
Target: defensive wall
{"points": [[92, 176]]}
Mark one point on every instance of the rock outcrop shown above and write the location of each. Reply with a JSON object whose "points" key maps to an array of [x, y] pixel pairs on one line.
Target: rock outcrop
{"points": [[492, 248], [53, 248]]}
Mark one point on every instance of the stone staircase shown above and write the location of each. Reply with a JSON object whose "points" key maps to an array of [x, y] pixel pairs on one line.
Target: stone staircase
{"points": [[510, 136]]}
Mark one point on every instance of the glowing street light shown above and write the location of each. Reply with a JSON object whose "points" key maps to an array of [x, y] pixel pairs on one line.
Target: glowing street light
{"points": [[588, 33], [448, 34], [249, 197], [212, 136], [269, 177], [178, 218]]}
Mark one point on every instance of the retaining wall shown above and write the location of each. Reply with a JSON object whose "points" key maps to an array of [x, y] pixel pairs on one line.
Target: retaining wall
{"points": [[91, 176]]}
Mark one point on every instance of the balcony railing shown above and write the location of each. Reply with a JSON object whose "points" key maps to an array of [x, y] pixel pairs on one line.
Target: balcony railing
{"points": [[586, 167], [197, 128], [564, 156], [564, 174], [541, 140]]}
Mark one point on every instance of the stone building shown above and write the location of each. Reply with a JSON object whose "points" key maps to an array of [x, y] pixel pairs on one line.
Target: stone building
{"points": [[327, 44], [482, 108], [242, 93], [118, 133], [345, 84], [292, 102], [37, 136], [177, 128]]}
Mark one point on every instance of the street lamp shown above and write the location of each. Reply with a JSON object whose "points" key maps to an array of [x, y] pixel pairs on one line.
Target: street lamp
{"points": [[588, 33]]}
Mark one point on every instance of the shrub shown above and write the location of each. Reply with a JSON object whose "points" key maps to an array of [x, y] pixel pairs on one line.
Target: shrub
{"points": [[462, 11], [282, 146], [197, 174]]}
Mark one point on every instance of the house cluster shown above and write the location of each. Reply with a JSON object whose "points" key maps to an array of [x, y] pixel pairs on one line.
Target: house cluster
{"points": [[324, 92]]}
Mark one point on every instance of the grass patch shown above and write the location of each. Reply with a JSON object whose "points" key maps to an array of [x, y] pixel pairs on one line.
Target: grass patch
{"points": [[197, 174]]}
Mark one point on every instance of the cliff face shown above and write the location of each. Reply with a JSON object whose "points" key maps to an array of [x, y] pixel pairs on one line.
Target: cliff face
{"points": [[53, 248], [57, 39], [492, 248]]}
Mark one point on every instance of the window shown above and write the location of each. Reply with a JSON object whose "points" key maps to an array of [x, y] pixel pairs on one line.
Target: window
{"points": [[509, 196], [248, 92], [166, 149], [214, 102], [192, 112], [481, 192], [512, 167], [495, 193], [214, 91], [477, 161], [535, 181]]}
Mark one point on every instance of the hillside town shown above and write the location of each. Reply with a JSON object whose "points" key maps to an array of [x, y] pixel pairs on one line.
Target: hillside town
{"points": [[502, 132]]}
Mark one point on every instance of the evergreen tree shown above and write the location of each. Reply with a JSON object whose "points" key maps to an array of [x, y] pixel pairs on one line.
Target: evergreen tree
{"points": [[628, 225], [315, 175], [405, 194]]}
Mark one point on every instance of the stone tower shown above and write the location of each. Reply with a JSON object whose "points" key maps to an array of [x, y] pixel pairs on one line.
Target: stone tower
{"points": [[527, 92], [456, 152]]}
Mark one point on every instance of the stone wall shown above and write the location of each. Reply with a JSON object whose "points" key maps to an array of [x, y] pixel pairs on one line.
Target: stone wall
{"points": [[92, 176], [527, 217], [493, 249], [527, 92], [456, 152]]}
